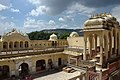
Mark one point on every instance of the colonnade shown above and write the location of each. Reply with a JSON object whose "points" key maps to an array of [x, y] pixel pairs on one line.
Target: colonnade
{"points": [[105, 43], [15, 45]]}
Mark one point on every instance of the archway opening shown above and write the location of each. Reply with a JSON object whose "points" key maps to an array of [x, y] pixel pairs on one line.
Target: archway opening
{"points": [[23, 70], [5, 45], [26, 44], [40, 65], [11, 45], [4, 72], [21, 44], [50, 63], [16, 45]]}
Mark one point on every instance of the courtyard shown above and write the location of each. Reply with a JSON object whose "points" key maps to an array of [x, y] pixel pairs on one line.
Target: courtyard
{"points": [[57, 75]]}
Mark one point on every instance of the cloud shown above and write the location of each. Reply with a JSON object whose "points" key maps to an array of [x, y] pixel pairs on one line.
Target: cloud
{"points": [[79, 8], [58, 6], [99, 3], [3, 7], [36, 2], [39, 11], [116, 12], [15, 10], [2, 17], [67, 18], [61, 19], [6, 26], [36, 25], [52, 22]]}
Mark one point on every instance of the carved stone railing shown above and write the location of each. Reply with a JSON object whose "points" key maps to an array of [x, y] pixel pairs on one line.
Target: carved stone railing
{"points": [[8, 54]]}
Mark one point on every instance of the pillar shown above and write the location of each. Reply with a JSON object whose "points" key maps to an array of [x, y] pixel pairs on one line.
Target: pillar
{"points": [[119, 43], [110, 44], [7, 45], [106, 46], [90, 47], [115, 42], [85, 46], [101, 49], [95, 43]]}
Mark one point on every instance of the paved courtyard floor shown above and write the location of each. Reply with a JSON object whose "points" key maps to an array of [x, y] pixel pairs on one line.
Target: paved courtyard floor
{"points": [[61, 75]]}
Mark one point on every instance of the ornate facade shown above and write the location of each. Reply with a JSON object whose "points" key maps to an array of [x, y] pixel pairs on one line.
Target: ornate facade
{"points": [[19, 55]]}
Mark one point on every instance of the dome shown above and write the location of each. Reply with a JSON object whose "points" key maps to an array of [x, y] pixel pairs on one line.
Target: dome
{"points": [[91, 22], [74, 34], [53, 37], [101, 21]]}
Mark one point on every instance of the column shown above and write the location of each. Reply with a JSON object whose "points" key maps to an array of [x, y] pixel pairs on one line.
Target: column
{"points": [[13, 46], [8, 46], [106, 46], [95, 44], [85, 47], [90, 47], [110, 45], [119, 43], [101, 50], [115, 42]]}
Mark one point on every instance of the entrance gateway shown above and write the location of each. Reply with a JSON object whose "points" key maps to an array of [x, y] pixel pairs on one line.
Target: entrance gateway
{"points": [[23, 70]]}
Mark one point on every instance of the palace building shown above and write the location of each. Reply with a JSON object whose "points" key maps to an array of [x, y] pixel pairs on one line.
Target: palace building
{"points": [[97, 52], [19, 55]]}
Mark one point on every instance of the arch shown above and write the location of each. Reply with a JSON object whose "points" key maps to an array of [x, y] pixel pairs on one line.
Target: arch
{"points": [[23, 70], [11, 45], [5, 45], [50, 63], [21, 44], [40, 65], [26, 44], [5, 72], [16, 44]]}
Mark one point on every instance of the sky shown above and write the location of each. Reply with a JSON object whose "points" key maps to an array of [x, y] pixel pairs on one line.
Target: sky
{"points": [[36, 15]]}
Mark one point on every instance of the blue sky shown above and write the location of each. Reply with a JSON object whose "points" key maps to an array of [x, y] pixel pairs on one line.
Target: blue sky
{"points": [[36, 15]]}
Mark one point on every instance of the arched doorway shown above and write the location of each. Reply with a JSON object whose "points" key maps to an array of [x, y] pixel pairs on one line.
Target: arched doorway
{"points": [[50, 63], [16, 45], [26, 44], [40, 65], [4, 72], [11, 45], [23, 70], [21, 44], [5, 45]]}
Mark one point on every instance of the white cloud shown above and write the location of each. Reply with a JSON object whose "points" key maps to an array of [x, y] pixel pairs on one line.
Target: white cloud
{"points": [[66, 18], [61, 19], [6, 26], [116, 12], [3, 7], [39, 11], [36, 2], [36, 25], [79, 8], [2, 17], [51, 22], [15, 10]]}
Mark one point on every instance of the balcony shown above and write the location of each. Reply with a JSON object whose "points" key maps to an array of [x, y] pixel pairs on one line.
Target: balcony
{"points": [[29, 52]]}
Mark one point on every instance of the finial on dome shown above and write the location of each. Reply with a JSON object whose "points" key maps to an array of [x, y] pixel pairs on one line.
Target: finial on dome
{"points": [[13, 30], [109, 13], [105, 14], [101, 14]]}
